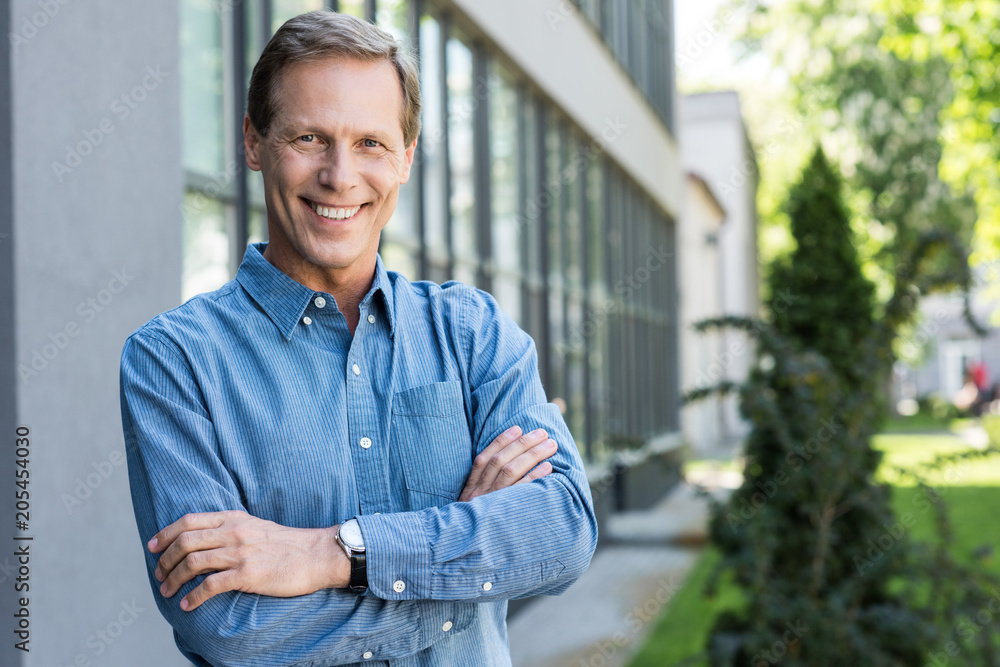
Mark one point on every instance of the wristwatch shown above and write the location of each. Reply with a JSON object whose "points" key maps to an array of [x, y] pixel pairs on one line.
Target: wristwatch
{"points": [[350, 538]]}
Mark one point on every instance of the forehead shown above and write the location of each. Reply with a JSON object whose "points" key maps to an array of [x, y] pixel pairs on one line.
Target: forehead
{"points": [[340, 91]]}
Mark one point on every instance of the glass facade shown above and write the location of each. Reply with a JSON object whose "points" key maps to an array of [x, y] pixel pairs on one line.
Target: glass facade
{"points": [[640, 35], [506, 194]]}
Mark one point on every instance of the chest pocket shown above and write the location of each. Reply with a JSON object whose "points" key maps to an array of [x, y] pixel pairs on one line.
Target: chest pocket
{"points": [[430, 435]]}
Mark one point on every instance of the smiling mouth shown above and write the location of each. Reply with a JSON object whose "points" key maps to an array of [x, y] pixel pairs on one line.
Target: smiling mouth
{"points": [[335, 213]]}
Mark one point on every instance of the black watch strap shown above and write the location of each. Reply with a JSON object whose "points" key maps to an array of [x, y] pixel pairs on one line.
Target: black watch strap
{"points": [[359, 572]]}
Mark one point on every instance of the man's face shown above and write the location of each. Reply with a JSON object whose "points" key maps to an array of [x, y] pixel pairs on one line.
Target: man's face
{"points": [[332, 162]]}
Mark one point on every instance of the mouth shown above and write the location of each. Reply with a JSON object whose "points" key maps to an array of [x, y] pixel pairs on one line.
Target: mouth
{"points": [[335, 213]]}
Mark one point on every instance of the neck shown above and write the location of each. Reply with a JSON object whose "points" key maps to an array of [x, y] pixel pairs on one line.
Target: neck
{"points": [[348, 285]]}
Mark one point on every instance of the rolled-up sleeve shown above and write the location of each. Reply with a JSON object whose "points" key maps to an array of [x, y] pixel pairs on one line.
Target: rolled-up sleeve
{"points": [[174, 469], [528, 539]]}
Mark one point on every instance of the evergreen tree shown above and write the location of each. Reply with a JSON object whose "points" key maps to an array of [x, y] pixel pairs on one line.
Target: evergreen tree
{"points": [[819, 298], [831, 576]]}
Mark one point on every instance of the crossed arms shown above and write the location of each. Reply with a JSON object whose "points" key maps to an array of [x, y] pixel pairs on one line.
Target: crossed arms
{"points": [[263, 594], [254, 555]]}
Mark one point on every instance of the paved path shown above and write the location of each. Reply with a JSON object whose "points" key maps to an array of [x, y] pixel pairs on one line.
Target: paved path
{"points": [[604, 618]]}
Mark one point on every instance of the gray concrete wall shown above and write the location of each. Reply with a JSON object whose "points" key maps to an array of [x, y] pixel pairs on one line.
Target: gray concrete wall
{"points": [[97, 187], [8, 400]]}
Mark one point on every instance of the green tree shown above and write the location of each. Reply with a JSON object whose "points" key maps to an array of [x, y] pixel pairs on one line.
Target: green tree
{"points": [[797, 533], [824, 268], [810, 535]]}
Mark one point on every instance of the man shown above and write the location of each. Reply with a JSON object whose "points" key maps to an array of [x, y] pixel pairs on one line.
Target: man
{"points": [[333, 465]]}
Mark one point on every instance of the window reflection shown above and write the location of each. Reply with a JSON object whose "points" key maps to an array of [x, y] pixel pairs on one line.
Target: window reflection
{"points": [[282, 10], [431, 150], [461, 108], [202, 87], [505, 226]]}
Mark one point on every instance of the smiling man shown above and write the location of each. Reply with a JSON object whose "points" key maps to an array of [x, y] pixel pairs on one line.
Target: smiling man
{"points": [[333, 465]]}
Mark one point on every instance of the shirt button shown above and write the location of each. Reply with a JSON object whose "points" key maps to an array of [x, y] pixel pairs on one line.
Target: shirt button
{"points": [[371, 319], [320, 302], [357, 371], [487, 586], [366, 443], [367, 655], [447, 626], [399, 586], [307, 320]]}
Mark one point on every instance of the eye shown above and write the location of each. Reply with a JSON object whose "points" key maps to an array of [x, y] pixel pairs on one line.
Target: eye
{"points": [[308, 138], [371, 143]]}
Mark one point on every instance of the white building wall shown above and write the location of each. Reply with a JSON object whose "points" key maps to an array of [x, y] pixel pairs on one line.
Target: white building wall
{"points": [[700, 298], [715, 145]]}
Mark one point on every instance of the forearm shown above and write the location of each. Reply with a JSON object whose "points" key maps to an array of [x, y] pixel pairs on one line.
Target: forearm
{"points": [[534, 538], [327, 627]]}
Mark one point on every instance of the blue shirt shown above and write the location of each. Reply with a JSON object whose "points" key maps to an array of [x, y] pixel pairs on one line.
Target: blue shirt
{"points": [[256, 397]]}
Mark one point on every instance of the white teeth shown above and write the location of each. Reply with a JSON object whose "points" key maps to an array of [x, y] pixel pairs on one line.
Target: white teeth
{"points": [[335, 213]]}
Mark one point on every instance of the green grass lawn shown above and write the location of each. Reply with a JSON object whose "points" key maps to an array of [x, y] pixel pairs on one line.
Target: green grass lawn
{"points": [[970, 489]]}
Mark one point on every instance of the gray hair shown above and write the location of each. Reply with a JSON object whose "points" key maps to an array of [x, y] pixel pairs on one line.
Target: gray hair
{"points": [[322, 34]]}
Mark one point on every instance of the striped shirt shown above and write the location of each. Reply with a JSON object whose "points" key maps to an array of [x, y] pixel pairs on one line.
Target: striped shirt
{"points": [[256, 397]]}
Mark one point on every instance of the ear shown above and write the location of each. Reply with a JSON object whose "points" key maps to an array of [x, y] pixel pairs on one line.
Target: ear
{"points": [[404, 174], [251, 143]]}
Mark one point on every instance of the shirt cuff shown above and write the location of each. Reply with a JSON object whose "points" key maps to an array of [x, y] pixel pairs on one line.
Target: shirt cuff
{"points": [[397, 555]]}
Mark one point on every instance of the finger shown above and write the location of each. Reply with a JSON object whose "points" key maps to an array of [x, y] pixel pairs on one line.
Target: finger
{"points": [[199, 562], [497, 461], [499, 442], [539, 471], [193, 521], [522, 464], [220, 582], [186, 543]]}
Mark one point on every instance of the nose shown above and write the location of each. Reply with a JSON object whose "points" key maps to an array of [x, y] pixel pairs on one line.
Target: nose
{"points": [[339, 171]]}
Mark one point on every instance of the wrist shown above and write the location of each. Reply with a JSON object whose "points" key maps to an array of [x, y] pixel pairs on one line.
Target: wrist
{"points": [[336, 566], [349, 537]]}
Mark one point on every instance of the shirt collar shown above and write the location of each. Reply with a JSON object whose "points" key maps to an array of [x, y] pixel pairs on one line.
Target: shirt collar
{"points": [[284, 299]]}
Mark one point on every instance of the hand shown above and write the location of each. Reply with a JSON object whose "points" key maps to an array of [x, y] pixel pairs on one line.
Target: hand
{"points": [[510, 459], [246, 554]]}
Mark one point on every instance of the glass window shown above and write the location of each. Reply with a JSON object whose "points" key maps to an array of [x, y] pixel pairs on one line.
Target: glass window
{"points": [[353, 7], [505, 225], [531, 139], [431, 148], [394, 16], [398, 258], [282, 10], [206, 245], [202, 87], [461, 108]]}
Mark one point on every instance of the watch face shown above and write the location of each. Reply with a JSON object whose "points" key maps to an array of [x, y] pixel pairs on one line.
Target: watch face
{"points": [[350, 534]]}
